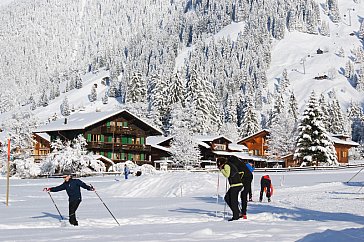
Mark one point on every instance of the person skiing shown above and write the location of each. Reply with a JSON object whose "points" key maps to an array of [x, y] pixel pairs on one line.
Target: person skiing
{"points": [[246, 178], [266, 185], [126, 171], [72, 187], [231, 197]]}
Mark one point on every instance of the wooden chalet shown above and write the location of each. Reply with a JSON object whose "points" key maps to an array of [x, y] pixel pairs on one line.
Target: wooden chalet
{"points": [[42, 146], [210, 144], [160, 147], [117, 135], [342, 146], [257, 146]]}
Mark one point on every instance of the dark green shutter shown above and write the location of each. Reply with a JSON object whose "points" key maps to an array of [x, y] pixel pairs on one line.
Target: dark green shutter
{"points": [[142, 140], [109, 139], [123, 156], [125, 124], [108, 124], [142, 156], [130, 156], [102, 138], [130, 140], [124, 140], [102, 153], [109, 155], [89, 137]]}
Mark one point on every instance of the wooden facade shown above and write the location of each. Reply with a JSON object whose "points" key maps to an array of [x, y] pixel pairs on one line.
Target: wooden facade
{"points": [[208, 145], [42, 146], [256, 143], [342, 146], [119, 137]]}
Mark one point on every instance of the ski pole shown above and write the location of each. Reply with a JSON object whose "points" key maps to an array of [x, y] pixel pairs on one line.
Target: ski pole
{"points": [[217, 192], [224, 199], [55, 205], [107, 208], [355, 175]]}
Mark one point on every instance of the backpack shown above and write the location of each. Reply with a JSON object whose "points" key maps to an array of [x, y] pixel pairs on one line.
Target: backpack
{"points": [[238, 165]]}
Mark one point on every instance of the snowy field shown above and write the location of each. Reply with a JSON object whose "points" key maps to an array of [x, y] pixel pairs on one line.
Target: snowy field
{"points": [[183, 206]]}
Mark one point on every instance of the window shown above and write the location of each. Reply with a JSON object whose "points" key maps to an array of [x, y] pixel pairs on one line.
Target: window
{"points": [[130, 156], [137, 141]]}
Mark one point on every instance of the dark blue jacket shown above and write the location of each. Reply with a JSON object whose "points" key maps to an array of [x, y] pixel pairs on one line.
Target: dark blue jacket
{"points": [[72, 188]]}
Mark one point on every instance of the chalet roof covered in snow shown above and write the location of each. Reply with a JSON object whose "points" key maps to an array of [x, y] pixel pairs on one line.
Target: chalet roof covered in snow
{"points": [[344, 142], [79, 121], [237, 147], [250, 136]]}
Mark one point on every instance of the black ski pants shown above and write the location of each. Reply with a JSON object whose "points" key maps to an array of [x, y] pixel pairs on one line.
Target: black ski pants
{"points": [[231, 198], [73, 205], [264, 183], [247, 183]]}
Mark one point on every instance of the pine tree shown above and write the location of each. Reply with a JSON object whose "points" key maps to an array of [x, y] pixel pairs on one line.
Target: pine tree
{"points": [[249, 124], [282, 135], [314, 146], [105, 98], [65, 109], [184, 149], [93, 95]]}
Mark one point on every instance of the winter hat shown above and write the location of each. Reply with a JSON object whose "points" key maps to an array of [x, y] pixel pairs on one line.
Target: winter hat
{"points": [[67, 173]]}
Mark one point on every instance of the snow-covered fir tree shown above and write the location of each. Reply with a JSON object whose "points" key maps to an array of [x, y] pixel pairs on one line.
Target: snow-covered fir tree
{"points": [[65, 108], [314, 146], [184, 149], [93, 94]]}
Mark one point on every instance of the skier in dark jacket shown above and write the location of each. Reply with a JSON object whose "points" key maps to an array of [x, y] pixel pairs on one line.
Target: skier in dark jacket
{"points": [[231, 197], [246, 178], [72, 187], [266, 185]]}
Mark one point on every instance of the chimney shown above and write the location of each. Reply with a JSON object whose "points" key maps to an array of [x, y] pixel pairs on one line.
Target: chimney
{"points": [[65, 120]]}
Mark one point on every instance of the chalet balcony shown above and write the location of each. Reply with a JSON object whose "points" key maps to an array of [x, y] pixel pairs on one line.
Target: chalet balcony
{"points": [[118, 146], [117, 130]]}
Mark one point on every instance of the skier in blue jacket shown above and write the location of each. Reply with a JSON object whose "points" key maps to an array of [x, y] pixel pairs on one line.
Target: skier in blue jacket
{"points": [[72, 187]]}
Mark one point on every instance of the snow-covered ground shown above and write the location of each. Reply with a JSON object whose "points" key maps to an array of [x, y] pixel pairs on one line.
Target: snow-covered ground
{"points": [[183, 206]]}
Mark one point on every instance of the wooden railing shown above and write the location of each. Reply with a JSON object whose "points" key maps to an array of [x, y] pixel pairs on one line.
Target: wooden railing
{"points": [[118, 146]]}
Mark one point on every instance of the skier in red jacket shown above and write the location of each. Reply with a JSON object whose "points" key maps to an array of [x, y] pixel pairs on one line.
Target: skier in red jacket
{"points": [[266, 186]]}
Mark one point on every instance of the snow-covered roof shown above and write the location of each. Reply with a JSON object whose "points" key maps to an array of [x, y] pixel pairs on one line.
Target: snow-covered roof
{"points": [[156, 140], [209, 138], [159, 147], [79, 121], [44, 136], [241, 155], [344, 142], [248, 137], [237, 147], [103, 158]]}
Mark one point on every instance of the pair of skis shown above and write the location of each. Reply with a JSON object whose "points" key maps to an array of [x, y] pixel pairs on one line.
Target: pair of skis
{"points": [[62, 218]]}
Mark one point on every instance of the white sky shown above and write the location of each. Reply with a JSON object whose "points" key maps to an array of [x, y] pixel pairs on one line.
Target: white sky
{"points": [[182, 206]]}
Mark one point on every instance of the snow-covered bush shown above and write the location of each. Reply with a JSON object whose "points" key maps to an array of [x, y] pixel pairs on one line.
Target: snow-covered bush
{"points": [[25, 168], [71, 156]]}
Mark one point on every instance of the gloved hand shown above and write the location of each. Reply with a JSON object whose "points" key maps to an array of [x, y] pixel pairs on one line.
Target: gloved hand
{"points": [[46, 189], [92, 188]]}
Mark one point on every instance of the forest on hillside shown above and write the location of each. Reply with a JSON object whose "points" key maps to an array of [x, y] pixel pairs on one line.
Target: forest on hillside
{"points": [[221, 87]]}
